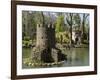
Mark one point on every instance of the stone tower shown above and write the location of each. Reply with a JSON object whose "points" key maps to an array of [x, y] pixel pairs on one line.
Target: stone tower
{"points": [[41, 36], [45, 50], [51, 35]]}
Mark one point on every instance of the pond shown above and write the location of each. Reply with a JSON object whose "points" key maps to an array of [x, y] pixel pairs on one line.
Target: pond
{"points": [[75, 57]]}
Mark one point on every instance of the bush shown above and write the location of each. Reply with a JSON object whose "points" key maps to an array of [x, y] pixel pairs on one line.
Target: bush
{"points": [[27, 43], [62, 36], [26, 38]]}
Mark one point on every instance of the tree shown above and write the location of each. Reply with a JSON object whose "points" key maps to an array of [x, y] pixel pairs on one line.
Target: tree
{"points": [[39, 18], [77, 21], [28, 24], [60, 24], [69, 19], [85, 16]]}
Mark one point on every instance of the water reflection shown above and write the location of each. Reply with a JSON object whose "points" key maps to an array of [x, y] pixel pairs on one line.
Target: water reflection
{"points": [[75, 57]]}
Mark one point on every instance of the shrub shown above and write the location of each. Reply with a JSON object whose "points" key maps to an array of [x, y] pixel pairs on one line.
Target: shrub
{"points": [[26, 38], [64, 36], [27, 43]]}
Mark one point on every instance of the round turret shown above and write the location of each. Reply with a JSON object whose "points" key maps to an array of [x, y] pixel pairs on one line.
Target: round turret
{"points": [[42, 40]]}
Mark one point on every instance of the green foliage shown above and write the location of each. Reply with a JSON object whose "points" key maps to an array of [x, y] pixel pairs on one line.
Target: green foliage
{"points": [[39, 17], [60, 24], [65, 37], [26, 38], [28, 23], [27, 43], [77, 20]]}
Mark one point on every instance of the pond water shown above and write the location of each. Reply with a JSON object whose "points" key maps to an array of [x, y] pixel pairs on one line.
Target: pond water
{"points": [[75, 57]]}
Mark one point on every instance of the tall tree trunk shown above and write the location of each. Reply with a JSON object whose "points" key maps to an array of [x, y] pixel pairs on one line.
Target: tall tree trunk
{"points": [[83, 24], [71, 27], [83, 28]]}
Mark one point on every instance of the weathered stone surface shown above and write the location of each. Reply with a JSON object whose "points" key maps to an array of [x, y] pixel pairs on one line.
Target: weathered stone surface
{"points": [[45, 50], [41, 36], [47, 55], [57, 55]]}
